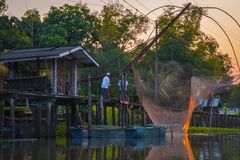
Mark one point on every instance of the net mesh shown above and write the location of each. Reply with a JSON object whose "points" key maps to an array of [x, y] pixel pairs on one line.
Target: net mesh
{"points": [[170, 96]]}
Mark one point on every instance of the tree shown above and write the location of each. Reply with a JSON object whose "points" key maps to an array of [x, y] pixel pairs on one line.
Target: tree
{"points": [[234, 97], [71, 25], [3, 6], [120, 27], [32, 26], [11, 35], [186, 44]]}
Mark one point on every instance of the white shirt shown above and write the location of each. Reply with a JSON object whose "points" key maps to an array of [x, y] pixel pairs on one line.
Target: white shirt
{"points": [[126, 84], [105, 82]]}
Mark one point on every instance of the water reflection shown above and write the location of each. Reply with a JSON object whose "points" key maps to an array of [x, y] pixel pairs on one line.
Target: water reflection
{"points": [[180, 147]]}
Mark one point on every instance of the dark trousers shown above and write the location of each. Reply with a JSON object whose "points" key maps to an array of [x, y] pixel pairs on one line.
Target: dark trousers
{"points": [[105, 94]]}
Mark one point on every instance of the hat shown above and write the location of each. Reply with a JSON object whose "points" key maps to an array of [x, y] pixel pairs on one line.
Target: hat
{"points": [[108, 74]]}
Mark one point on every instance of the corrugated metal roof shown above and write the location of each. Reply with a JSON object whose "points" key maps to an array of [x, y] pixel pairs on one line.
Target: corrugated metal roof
{"points": [[31, 54]]}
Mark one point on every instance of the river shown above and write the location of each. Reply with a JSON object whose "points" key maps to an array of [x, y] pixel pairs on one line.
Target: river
{"points": [[198, 147]]}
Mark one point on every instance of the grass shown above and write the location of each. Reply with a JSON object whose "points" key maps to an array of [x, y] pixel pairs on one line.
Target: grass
{"points": [[61, 129], [206, 130]]}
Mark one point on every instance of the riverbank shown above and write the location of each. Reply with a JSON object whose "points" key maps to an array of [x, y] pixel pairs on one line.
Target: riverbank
{"points": [[207, 130], [61, 130]]}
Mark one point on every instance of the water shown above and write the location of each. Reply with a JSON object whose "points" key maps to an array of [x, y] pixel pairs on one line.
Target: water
{"points": [[192, 147]]}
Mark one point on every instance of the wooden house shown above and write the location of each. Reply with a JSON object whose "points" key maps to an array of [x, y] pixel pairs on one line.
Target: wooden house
{"points": [[52, 69]]}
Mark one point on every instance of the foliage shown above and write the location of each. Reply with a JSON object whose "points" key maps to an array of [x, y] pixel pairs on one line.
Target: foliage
{"points": [[186, 44], [8, 40], [3, 6], [109, 33], [3, 69], [32, 26], [234, 98], [120, 27], [61, 129], [69, 25]]}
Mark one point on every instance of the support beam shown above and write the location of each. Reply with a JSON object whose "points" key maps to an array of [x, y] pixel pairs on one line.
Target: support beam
{"points": [[74, 73], [68, 119], [11, 71], [48, 119], [113, 116], [37, 119], [12, 117], [75, 115], [132, 115], [54, 76], [89, 104], [99, 111], [105, 115], [53, 126], [38, 64], [2, 104]]}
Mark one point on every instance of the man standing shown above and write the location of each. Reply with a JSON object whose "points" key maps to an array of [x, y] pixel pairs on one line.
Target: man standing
{"points": [[105, 87]]}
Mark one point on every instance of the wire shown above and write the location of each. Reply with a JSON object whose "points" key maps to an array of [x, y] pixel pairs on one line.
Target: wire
{"points": [[144, 6], [137, 9], [104, 2], [227, 38]]}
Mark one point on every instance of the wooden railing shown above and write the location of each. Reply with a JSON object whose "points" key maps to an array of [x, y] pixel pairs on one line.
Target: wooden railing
{"points": [[36, 83]]}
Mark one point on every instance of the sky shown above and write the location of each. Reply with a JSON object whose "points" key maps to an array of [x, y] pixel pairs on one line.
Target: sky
{"points": [[18, 7]]}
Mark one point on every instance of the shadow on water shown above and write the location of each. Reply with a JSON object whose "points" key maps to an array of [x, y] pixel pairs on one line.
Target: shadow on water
{"points": [[180, 147]]}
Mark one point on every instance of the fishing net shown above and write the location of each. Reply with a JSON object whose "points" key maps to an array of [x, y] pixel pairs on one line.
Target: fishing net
{"points": [[170, 95]]}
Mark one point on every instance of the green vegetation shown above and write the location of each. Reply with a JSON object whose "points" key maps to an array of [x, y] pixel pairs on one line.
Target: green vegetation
{"points": [[206, 130], [61, 129], [108, 34]]}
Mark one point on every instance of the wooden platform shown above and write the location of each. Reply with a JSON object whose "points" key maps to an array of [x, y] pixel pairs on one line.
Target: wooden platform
{"points": [[118, 132]]}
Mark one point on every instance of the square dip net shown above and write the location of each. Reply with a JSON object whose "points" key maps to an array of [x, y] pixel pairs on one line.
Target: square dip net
{"points": [[170, 95]]}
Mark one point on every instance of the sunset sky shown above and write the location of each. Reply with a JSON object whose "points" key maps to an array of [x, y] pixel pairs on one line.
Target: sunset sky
{"points": [[18, 7]]}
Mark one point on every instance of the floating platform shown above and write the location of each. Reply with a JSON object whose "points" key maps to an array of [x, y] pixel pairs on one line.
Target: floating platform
{"points": [[118, 132]]}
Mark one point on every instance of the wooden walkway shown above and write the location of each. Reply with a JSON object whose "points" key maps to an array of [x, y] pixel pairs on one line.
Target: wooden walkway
{"points": [[49, 104]]}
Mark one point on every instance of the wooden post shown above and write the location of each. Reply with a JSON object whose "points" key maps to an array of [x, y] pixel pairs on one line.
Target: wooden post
{"points": [[89, 104], [38, 64], [54, 76], [104, 152], [89, 153], [73, 78], [127, 116], [211, 114], [113, 116], [119, 114], [99, 153], [74, 114], [105, 115], [12, 117], [120, 152], [99, 111], [113, 152], [156, 77], [2, 104], [68, 120], [132, 115], [143, 117], [11, 71], [53, 126], [48, 130], [123, 115], [37, 123]]}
